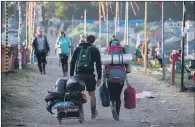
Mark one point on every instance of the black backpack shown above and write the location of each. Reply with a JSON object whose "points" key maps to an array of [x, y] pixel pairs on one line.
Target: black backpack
{"points": [[84, 61]]}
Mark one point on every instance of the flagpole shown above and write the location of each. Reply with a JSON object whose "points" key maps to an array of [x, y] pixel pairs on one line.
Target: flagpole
{"points": [[162, 44], [107, 23], [182, 51], [116, 18], [127, 35], [19, 36], [6, 38], [100, 25], [145, 38], [85, 22], [125, 27]]}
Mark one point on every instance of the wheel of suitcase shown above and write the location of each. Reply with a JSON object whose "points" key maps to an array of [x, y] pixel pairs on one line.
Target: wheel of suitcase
{"points": [[81, 114]]}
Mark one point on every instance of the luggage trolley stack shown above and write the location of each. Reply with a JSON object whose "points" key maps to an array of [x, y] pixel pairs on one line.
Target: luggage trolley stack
{"points": [[68, 99]]}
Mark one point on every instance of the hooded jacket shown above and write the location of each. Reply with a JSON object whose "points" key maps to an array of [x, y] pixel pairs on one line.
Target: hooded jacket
{"points": [[95, 57]]}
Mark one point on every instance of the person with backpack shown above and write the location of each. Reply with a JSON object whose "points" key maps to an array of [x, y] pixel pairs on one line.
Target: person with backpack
{"points": [[114, 41], [84, 58], [63, 47], [41, 49], [115, 85]]}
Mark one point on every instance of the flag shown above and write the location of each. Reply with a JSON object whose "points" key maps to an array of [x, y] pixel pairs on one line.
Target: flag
{"points": [[160, 4], [175, 3], [107, 10], [111, 8], [133, 8], [136, 5], [184, 8], [103, 11]]}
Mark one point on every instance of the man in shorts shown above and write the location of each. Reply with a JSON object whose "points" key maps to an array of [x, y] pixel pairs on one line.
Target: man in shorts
{"points": [[87, 73]]}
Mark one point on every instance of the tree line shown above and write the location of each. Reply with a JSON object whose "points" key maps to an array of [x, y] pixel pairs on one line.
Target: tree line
{"points": [[65, 10]]}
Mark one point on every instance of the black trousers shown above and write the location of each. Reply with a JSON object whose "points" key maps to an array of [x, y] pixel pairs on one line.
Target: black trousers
{"points": [[115, 90], [41, 57], [64, 61], [160, 61]]}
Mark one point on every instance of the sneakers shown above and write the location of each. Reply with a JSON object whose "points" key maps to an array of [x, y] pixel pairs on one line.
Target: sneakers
{"points": [[93, 116]]}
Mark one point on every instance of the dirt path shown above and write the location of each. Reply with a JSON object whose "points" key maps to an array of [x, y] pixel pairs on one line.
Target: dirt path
{"points": [[23, 102]]}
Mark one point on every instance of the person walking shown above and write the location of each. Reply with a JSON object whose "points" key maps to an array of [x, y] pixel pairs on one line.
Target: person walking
{"points": [[84, 57], [114, 89], [113, 39], [82, 40], [63, 47], [158, 51], [57, 54], [41, 49], [143, 50]]}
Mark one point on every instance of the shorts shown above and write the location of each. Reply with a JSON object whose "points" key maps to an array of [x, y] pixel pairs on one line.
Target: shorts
{"points": [[89, 80]]}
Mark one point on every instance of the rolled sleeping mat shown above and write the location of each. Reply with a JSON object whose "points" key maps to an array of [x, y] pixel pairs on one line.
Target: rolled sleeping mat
{"points": [[128, 50], [117, 59]]}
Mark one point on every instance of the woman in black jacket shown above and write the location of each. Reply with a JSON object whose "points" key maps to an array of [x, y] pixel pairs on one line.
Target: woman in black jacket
{"points": [[41, 49]]}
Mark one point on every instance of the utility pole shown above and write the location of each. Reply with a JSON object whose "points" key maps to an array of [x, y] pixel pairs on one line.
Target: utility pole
{"points": [[127, 35], [162, 44], [145, 38], [107, 24], [100, 25], [26, 24], [6, 38], [30, 31], [125, 27], [19, 36], [85, 11], [116, 16], [182, 51]]}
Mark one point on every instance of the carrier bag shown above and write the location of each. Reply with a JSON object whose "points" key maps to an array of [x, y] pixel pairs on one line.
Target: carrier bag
{"points": [[129, 97], [104, 96]]}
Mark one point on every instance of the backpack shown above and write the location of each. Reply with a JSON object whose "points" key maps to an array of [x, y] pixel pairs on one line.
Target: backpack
{"points": [[116, 73], [116, 49], [104, 96], [115, 43], [84, 61], [129, 97]]}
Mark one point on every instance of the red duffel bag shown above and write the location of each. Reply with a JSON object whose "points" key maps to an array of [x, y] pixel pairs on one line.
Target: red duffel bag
{"points": [[129, 97]]}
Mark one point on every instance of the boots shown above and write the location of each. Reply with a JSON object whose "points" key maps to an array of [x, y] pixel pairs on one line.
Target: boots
{"points": [[94, 112], [118, 106], [64, 70], [40, 68], [113, 108], [44, 68]]}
